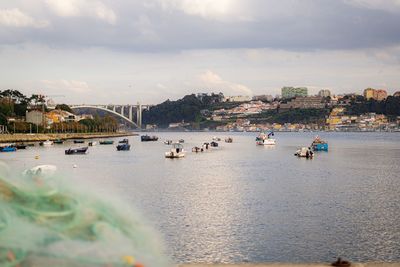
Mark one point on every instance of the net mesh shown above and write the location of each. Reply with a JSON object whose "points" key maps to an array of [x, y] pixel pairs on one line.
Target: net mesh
{"points": [[45, 223]]}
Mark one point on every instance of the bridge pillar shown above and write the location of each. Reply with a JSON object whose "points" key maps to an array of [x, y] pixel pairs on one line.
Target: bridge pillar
{"points": [[122, 111], [130, 113], [139, 115], [113, 108]]}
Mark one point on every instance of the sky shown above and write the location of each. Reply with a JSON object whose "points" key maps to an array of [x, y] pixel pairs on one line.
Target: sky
{"points": [[129, 51]]}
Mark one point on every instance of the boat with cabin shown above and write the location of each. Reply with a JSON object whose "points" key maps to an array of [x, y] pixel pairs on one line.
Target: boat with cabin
{"points": [[176, 151], [168, 142], [58, 141], [46, 143], [123, 147], [214, 144], [79, 141], [106, 142], [228, 140], [124, 141], [265, 139], [8, 148], [92, 143]]}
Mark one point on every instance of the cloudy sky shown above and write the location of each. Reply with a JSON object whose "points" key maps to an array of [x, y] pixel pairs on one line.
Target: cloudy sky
{"points": [[124, 51]]}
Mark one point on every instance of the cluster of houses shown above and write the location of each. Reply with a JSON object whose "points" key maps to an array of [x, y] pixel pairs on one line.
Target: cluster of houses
{"points": [[38, 117]]}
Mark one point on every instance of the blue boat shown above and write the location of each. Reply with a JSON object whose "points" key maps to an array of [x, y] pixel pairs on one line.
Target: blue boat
{"points": [[319, 145], [8, 149]]}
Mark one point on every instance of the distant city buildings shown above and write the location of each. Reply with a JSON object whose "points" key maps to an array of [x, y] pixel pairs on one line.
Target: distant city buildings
{"points": [[238, 98], [304, 102], [268, 98], [290, 92], [324, 93], [375, 94]]}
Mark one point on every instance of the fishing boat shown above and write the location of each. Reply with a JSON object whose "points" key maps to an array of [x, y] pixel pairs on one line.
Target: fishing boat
{"points": [[197, 149], [216, 138], [46, 143], [8, 148], [123, 147], [58, 141], [228, 140], [168, 142], [81, 150], [79, 141], [214, 144], [176, 151], [106, 142], [319, 145], [148, 138], [92, 143], [265, 139], [304, 152], [124, 141], [181, 141]]}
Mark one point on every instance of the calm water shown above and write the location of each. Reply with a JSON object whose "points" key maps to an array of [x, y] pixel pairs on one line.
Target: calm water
{"points": [[245, 203]]}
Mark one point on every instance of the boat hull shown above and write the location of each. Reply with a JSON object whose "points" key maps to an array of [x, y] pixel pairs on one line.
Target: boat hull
{"points": [[266, 142], [320, 147]]}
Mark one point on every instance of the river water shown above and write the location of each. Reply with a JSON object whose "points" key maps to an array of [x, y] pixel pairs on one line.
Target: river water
{"points": [[248, 203]]}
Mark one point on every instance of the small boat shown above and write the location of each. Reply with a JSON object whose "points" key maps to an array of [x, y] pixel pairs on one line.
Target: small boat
{"points": [[92, 143], [197, 149], [79, 141], [106, 142], [147, 138], [214, 144], [30, 144], [81, 150], [46, 143], [123, 147], [181, 141], [20, 146], [58, 141], [216, 138], [265, 139], [8, 149], [228, 140], [124, 141], [176, 151], [319, 145], [206, 146], [304, 152], [168, 142]]}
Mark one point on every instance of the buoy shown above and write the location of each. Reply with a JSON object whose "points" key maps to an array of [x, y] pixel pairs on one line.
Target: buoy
{"points": [[37, 157], [74, 166]]}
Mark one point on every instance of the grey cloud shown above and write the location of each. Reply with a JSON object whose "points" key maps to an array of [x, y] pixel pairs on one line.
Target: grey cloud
{"points": [[290, 25]]}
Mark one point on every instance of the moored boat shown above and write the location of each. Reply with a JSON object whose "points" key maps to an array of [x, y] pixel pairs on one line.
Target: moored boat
{"points": [[46, 143], [123, 147], [215, 138], [228, 140], [304, 152], [148, 138], [265, 139], [176, 151], [92, 143], [106, 142], [124, 141], [181, 141], [79, 141], [319, 145], [197, 149], [214, 144], [168, 142], [58, 141], [20, 146], [8, 148], [80, 150]]}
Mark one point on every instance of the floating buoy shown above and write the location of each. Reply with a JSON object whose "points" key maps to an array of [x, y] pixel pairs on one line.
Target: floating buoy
{"points": [[74, 166]]}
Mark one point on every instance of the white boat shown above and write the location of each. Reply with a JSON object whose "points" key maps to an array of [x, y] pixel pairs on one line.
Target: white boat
{"points": [[216, 138], [265, 139], [168, 142], [92, 143], [176, 151], [304, 152], [48, 143]]}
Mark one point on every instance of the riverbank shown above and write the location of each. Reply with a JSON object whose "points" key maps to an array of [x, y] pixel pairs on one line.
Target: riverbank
{"points": [[13, 138], [372, 264]]}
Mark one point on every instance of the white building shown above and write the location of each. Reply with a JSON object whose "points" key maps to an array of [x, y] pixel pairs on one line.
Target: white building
{"points": [[238, 98]]}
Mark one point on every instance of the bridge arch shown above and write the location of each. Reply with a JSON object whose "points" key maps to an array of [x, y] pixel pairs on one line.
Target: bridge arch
{"points": [[108, 110]]}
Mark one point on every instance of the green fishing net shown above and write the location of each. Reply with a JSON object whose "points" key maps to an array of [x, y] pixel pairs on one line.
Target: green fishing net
{"points": [[44, 222]]}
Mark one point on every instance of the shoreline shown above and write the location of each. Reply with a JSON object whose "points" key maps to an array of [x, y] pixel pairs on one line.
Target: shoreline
{"points": [[14, 138]]}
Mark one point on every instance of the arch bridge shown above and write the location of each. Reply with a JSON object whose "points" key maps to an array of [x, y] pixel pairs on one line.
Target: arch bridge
{"points": [[125, 112]]}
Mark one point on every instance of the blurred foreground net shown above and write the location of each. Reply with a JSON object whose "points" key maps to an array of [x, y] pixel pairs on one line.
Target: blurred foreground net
{"points": [[45, 223]]}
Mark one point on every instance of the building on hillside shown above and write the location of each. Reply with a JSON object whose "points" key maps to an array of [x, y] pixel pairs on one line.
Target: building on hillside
{"points": [[378, 95], [238, 98], [58, 116], [304, 102], [35, 117], [324, 93], [268, 98], [290, 92]]}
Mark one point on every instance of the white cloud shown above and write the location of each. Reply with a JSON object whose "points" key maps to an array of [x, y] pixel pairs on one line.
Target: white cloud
{"points": [[213, 80], [66, 85], [83, 8], [386, 5], [214, 9], [16, 18]]}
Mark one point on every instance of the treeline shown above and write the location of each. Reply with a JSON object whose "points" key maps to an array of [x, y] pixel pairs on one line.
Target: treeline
{"points": [[389, 107], [305, 116], [187, 109]]}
